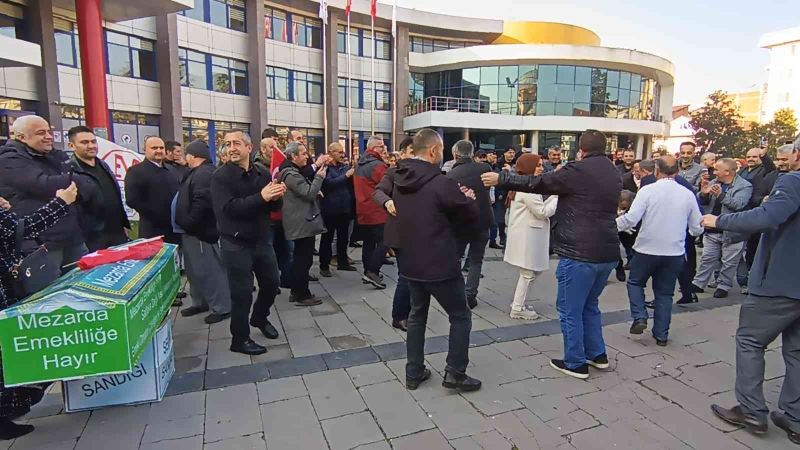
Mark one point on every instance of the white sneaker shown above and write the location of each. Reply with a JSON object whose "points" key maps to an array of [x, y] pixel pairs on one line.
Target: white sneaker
{"points": [[712, 284], [745, 291], [526, 313]]}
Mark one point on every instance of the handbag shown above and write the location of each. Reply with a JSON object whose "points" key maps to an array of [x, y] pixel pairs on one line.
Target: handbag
{"points": [[35, 271]]}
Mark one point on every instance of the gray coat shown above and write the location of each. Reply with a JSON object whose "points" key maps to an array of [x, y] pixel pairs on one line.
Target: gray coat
{"points": [[301, 213], [692, 174], [734, 200], [774, 271]]}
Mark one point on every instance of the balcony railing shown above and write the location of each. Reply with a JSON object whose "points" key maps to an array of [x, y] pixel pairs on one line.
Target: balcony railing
{"points": [[451, 104]]}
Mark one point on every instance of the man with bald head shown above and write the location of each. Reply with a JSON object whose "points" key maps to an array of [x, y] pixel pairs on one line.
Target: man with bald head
{"points": [[150, 187], [31, 171], [337, 211]]}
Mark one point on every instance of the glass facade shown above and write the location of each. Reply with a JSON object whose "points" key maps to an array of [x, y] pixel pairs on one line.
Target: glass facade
{"points": [[421, 44], [213, 73], [225, 13], [294, 85], [130, 56], [542, 90]]}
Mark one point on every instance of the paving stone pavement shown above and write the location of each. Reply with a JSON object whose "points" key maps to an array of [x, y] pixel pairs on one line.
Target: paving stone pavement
{"points": [[305, 395]]}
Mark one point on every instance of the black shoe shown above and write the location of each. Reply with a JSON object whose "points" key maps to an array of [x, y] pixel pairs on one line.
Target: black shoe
{"points": [[720, 293], [180, 295], [650, 305], [472, 303], [660, 342], [193, 311], [355, 245], [347, 268], [325, 273], [413, 383], [780, 421], [600, 362], [581, 372], [638, 326], [692, 298], [177, 302], [621, 275], [495, 246], [388, 262], [400, 324], [735, 416], [374, 280], [696, 289], [268, 330], [249, 347], [307, 301], [214, 318], [312, 278], [463, 383], [10, 430]]}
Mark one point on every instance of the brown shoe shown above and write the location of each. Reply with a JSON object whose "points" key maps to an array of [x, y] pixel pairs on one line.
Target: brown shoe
{"points": [[735, 416], [400, 324], [780, 421], [308, 301]]}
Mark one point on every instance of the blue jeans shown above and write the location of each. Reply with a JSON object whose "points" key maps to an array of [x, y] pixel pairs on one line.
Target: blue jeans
{"points": [[664, 270], [579, 287]]}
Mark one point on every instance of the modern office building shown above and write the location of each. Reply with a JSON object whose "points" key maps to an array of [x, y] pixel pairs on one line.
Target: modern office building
{"points": [[782, 89], [229, 64]]}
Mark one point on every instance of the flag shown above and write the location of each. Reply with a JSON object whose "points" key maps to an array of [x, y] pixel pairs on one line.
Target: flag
{"points": [[274, 166], [136, 250], [323, 11], [347, 7], [373, 8]]}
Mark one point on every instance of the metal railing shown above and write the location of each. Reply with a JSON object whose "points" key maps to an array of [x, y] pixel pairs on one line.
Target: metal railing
{"points": [[451, 104]]}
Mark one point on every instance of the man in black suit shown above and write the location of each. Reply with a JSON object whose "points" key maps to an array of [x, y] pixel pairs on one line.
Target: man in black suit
{"points": [[631, 180], [467, 173]]}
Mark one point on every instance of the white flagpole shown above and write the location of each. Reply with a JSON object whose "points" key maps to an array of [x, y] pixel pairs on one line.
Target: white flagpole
{"points": [[394, 74], [372, 63], [325, 75], [349, 98]]}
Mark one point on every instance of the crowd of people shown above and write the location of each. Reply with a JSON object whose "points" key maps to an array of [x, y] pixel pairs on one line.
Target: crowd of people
{"points": [[254, 221]]}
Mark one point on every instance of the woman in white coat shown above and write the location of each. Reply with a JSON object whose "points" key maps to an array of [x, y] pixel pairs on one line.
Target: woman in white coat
{"points": [[528, 236]]}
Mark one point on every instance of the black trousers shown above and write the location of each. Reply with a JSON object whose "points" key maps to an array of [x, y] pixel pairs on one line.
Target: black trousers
{"points": [[302, 259], [105, 239], [689, 268], [283, 252], [373, 252], [339, 224], [241, 263]]}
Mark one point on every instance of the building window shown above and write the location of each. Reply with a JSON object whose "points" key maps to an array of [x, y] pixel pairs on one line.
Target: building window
{"points": [[275, 25], [213, 73], [277, 83], [195, 129], [383, 46], [213, 133], [353, 42], [221, 128], [307, 87], [354, 98], [11, 20], [228, 75], [307, 32], [416, 88], [383, 96], [425, 45], [361, 43], [66, 38], [315, 139], [130, 56], [193, 69], [131, 129], [224, 13]]}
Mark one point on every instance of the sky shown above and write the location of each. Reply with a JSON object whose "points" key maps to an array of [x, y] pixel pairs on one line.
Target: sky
{"points": [[713, 44]]}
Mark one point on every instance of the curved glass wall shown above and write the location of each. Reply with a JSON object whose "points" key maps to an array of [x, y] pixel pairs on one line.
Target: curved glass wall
{"points": [[537, 90]]}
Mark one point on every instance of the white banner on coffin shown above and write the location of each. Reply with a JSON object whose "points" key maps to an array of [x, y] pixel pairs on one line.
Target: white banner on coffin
{"points": [[119, 159]]}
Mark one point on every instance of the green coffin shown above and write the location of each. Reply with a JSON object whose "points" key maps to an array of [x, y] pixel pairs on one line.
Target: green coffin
{"points": [[88, 323]]}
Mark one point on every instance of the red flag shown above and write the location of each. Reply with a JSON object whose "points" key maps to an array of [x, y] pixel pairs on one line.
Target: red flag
{"points": [[274, 166], [347, 7], [373, 8], [136, 251]]}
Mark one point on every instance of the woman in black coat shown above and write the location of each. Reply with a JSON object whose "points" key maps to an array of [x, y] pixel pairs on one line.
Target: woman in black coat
{"points": [[16, 402]]}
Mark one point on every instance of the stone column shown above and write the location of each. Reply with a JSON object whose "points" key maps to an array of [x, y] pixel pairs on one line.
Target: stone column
{"points": [[400, 88], [534, 135], [169, 78], [331, 81], [256, 68], [39, 20], [639, 146]]}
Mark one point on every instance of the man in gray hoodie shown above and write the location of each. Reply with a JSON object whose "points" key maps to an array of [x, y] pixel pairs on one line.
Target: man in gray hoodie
{"points": [[771, 309]]}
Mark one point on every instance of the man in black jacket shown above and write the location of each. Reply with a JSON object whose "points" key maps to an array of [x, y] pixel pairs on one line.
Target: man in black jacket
{"points": [[585, 236], [150, 187], [103, 218], [430, 207], [31, 171], [202, 256], [466, 172], [175, 159], [243, 196]]}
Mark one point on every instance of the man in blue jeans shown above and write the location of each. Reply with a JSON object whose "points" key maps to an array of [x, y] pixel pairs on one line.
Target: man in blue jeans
{"points": [[585, 237], [665, 209]]}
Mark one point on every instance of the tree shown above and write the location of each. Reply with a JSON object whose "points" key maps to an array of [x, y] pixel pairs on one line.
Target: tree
{"points": [[716, 125], [782, 129]]}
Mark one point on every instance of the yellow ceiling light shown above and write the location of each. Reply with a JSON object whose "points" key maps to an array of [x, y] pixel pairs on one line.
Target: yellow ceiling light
{"points": [[546, 33]]}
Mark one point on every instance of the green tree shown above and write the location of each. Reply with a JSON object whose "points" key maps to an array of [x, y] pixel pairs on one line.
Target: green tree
{"points": [[783, 128], [716, 125]]}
